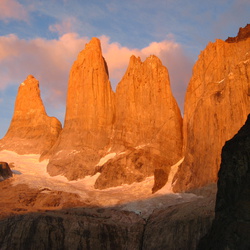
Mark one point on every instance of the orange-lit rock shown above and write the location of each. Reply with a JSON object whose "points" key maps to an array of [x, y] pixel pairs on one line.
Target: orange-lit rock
{"points": [[148, 125], [31, 129], [89, 116], [216, 105]]}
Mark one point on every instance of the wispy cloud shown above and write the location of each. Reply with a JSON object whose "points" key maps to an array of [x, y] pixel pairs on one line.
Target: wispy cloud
{"points": [[66, 26], [12, 9]]}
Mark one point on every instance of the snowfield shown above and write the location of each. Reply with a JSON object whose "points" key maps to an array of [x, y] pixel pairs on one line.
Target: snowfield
{"points": [[136, 197]]}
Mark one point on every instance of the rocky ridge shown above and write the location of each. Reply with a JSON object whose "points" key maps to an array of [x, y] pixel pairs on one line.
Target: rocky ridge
{"points": [[31, 130], [216, 105], [131, 124], [138, 129], [243, 34]]}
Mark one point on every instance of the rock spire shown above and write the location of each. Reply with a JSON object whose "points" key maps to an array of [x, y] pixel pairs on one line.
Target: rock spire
{"points": [[148, 125], [31, 129], [89, 116]]}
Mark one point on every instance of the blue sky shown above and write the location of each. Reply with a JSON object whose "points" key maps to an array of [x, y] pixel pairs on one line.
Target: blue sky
{"points": [[43, 38]]}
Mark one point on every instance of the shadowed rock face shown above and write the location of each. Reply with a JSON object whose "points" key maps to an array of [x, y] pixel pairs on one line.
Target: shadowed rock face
{"points": [[231, 227], [147, 128], [46, 219], [5, 171], [31, 129], [89, 116], [180, 226], [216, 105], [73, 229]]}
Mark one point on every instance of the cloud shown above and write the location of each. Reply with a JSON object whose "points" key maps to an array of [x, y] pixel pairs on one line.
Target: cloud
{"points": [[50, 62], [12, 9], [66, 26]]}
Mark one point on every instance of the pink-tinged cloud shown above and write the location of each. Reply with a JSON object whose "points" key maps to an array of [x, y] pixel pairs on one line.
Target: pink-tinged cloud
{"points": [[12, 9], [66, 26], [50, 62]]}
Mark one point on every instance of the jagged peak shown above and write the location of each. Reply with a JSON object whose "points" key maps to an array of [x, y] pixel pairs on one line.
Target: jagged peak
{"points": [[30, 80], [149, 59], [243, 34], [94, 43]]}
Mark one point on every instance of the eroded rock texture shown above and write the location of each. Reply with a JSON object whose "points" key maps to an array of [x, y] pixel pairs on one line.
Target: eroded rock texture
{"points": [[148, 126], [30, 223], [180, 226], [31, 130], [231, 227], [216, 106], [73, 229], [89, 116]]}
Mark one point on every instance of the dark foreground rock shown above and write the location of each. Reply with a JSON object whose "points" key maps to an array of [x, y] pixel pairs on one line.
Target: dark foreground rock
{"points": [[231, 227], [73, 229], [181, 226], [175, 227], [5, 171]]}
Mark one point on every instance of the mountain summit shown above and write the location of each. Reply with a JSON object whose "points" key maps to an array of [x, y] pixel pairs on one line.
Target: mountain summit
{"points": [[89, 116], [31, 129]]}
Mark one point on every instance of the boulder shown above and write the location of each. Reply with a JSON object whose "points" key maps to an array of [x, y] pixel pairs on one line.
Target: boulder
{"points": [[5, 171]]}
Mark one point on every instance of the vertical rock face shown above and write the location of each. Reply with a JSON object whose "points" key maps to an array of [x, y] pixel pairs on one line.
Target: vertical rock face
{"points": [[231, 227], [179, 226], [73, 229], [146, 111], [216, 106], [31, 130], [148, 125], [89, 116]]}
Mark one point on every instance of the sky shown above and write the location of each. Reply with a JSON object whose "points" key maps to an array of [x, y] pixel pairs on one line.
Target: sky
{"points": [[43, 38]]}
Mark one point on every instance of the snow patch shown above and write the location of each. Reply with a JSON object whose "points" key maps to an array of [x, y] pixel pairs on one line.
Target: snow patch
{"points": [[246, 61], [141, 146], [136, 197], [221, 80], [168, 188], [106, 158], [73, 152]]}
